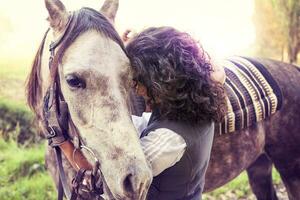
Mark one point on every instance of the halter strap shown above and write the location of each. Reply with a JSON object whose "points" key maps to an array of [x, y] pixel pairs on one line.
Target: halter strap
{"points": [[53, 136], [54, 133], [56, 43]]}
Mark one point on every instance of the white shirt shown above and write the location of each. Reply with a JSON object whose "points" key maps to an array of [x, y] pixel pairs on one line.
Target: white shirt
{"points": [[162, 147]]}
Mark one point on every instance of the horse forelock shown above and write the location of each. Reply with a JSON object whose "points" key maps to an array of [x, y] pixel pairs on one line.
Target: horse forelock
{"points": [[83, 20]]}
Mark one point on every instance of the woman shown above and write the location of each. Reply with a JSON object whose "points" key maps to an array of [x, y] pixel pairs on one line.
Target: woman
{"points": [[173, 74]]}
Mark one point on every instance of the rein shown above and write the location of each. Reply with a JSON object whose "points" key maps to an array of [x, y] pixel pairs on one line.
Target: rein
{"points": [[86, 184]]}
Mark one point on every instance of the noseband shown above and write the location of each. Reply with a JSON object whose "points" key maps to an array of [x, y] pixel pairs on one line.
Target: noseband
{"points": [[86, 184]]}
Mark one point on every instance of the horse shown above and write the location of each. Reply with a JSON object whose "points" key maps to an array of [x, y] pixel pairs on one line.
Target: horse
{"points": [[273, 141], [92, 73]]}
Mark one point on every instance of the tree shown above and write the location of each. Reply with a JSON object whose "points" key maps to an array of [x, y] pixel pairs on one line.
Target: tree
{"points": [[270, 38], [289, 12], [278, 27]]}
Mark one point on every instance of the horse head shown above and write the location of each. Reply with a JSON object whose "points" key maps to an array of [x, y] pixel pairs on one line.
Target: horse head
{"points": [[94, 78]]}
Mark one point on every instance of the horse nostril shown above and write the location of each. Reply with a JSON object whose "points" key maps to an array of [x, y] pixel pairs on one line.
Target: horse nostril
{"points": [[128, 184], [135, 183]]}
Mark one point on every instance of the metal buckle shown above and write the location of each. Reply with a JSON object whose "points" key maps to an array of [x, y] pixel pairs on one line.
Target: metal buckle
{"points": [[88, 150], [51, 132], [92, 185]]}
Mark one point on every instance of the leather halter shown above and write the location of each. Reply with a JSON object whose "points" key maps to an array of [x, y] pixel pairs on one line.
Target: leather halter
{"points": [[56, 136]]}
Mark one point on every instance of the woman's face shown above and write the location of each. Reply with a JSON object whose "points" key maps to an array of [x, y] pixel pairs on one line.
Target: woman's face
{"points": [[140, 89]]}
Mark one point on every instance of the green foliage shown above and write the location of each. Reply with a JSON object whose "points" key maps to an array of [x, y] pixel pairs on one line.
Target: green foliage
{"points": [[22, 173], [278, 28], [239, 184], [270, 37], [239, 188], [35, 188], [16, 122], [289, 15], [23, 176]]}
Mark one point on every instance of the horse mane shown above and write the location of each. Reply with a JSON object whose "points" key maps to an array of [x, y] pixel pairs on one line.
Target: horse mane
{"points": [[33, 83], [83, 20]]}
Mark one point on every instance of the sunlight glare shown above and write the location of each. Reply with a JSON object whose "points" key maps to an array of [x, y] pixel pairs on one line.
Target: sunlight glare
{"points": [[223, 27]]}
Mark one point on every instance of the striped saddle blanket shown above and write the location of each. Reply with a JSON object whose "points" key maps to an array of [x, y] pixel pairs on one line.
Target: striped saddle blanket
{"points": [[252, 94]]}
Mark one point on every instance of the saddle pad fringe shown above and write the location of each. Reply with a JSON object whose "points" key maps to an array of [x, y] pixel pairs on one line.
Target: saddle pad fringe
{"points": [[252, 94]]}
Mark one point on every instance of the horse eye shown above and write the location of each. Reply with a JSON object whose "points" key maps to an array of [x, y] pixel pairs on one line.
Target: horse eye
{"points": [[75, 82]]}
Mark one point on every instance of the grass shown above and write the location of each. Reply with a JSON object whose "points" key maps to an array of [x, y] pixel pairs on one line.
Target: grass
{"points": [[22, 170], [23, 176], [16, 122], [16, 118], [239, 187], [22, 173]]}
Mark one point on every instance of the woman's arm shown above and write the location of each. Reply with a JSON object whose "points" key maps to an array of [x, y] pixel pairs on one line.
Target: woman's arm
{"points": [[163, 148]]}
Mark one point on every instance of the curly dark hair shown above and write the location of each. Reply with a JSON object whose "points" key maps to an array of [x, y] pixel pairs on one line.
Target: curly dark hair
{"points": [[177, 74]]}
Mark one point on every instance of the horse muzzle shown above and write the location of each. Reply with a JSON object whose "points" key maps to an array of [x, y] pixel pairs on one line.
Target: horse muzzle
{"points": [[133, 185]]}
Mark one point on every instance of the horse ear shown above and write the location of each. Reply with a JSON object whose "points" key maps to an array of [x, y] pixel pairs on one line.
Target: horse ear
{"points": [[58, 15], [109, 9]]}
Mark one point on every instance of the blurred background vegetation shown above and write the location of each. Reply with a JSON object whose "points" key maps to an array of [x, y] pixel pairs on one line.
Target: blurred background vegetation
{"points": [[277, 25], [22, 171]]}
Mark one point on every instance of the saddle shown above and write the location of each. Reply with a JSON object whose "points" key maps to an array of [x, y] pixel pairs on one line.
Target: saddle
{"points": [[252, 94]]}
